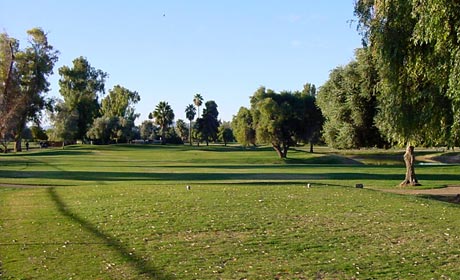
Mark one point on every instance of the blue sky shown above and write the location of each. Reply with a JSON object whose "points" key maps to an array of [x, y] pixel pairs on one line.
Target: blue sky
{"points": [[171, 50]]}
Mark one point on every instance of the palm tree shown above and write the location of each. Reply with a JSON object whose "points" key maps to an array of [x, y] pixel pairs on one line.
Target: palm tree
{"points": [[163, 116], [190, 113], [198, 100]]}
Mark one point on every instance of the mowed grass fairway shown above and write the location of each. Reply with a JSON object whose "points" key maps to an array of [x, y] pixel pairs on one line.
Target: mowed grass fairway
{"points": [[123, 212]]}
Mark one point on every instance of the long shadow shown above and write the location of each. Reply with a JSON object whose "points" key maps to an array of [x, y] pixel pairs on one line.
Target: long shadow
{"points": [[111, 176], [142, 266]]}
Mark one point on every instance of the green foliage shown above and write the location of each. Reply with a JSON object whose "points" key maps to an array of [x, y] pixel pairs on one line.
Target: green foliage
{"points": [[106, 129], [65, 123], [243, 127], [80, 86], [208, 124], [38, 133], [198, 101], [284, 119], [120, 103], [226, 133], [415, 45], [190, 113], [23, 82], [163, 116], [147, 130], [182, 130], [349, 104]]}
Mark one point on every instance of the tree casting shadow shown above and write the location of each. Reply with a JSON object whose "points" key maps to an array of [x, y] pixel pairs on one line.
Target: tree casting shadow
{"points": [[142, 266]]}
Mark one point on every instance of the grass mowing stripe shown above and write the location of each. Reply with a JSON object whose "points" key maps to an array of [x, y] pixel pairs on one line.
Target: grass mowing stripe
{"points": [[242, 218]]}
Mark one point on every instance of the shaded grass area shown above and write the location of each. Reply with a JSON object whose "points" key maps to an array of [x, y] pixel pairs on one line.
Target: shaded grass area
{"points": [[122, 212]]}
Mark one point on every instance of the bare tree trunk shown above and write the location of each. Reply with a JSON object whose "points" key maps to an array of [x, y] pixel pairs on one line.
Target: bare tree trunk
{"points": [[409, 159], [311, 147], [17, 145]]}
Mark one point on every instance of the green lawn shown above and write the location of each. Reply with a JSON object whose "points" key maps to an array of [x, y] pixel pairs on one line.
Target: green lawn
{"points": [[123, 212]]}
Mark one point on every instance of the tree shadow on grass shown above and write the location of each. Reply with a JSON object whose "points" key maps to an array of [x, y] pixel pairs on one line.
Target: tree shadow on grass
{"points": [[450, 198], [141, 265]]}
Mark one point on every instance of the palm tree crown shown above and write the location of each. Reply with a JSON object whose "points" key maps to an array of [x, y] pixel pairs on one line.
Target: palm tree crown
{"points": [[163, 116], [198, 101], [190, 113]]}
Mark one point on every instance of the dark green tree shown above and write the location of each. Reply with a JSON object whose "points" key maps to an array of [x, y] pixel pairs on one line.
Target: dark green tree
{"points": [[415, 46], [147, 130], [349, 104], [182, 130], [163, 115], [81, 86], [208, 124], [225, 133]]}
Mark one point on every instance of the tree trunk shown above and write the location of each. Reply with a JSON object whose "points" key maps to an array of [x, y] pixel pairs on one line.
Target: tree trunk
{"points": [[18, 146], [190, 134], [311, 147], [281, 151], [409, 160]]}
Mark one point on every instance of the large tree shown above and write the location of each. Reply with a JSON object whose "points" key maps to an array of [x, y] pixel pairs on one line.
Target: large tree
{"points": [[10, 98], [281, 119], [182, 130], [190, 113], [208, 124], [118, 116], [416, 46], [349, 104], [120, 102], [163, 116], [226, 133], [312, 118], [147, 130], [81, 86], [243, 127], [24, 83]]}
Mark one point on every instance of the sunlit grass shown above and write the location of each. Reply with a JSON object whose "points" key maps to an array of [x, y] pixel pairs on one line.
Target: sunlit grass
{"points": [[123, 212]]}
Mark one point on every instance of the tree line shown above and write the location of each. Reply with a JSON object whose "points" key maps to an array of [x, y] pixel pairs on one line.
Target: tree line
{"points": [[402, 88], [84, 111]]}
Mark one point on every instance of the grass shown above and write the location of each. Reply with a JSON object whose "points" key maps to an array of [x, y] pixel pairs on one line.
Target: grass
{"points": [[123, 212]]}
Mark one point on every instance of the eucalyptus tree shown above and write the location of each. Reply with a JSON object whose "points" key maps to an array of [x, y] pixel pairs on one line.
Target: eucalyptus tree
{"points": [[81, 87], [118, 114], [24, 83], [163, 115], [190, 113], [119, 102]]}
